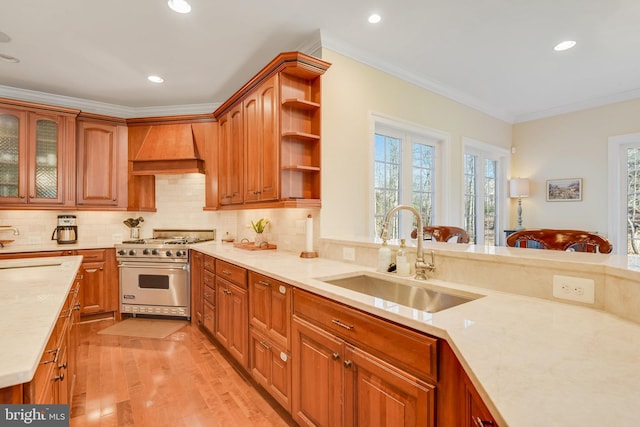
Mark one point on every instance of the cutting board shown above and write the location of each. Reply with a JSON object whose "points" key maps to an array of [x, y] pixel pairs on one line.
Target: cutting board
{"points": [[250, 246]]}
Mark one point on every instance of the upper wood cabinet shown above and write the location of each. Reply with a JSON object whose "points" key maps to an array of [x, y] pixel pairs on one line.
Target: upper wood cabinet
{"points": [[37, 156], [261, 142], [101, 162], [231, 157], [278, 141]]}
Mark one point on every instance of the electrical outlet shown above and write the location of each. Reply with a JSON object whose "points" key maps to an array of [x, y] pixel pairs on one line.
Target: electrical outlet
{"points": [[349, 254], [574, 288]]}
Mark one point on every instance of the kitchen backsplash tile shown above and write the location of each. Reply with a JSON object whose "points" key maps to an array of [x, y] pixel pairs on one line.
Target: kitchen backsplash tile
{"points": [[179, 202]]}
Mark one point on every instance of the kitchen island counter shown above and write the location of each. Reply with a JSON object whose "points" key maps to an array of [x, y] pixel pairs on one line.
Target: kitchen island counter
{"points": [[535, 362], [32, 294]]}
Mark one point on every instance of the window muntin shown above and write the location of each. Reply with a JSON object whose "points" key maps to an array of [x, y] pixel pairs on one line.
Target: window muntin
{"points": [[405, 165]]}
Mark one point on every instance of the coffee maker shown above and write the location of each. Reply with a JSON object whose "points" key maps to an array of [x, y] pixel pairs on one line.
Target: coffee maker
{"points": [[67, 230]]}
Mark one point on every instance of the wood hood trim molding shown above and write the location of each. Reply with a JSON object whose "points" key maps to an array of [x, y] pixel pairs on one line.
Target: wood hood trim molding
{"points": [[171, 148]]}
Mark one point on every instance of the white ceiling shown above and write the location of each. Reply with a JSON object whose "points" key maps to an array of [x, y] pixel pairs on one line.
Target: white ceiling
{"points": [[494, 55]]}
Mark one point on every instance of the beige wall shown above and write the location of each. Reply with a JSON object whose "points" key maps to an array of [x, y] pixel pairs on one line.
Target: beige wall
{"points": [[351, 91], [570, 145]]}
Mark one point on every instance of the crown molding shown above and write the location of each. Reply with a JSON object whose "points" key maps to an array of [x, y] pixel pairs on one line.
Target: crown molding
{"points": [[437, 87], [103, 108], [577, 106], [313, 46]]}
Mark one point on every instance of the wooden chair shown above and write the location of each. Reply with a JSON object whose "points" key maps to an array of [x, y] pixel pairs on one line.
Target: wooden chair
{"points": [[560, 240], [443, 233]]}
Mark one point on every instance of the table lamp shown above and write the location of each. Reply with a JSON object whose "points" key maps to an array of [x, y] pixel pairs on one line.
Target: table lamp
{"points": [[519, 188]]}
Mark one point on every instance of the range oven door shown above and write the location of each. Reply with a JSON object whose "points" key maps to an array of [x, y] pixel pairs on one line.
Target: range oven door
{"points": [[149, 284]]}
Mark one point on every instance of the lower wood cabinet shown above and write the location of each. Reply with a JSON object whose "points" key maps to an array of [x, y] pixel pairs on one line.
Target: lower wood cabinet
{"points": [[328, 364], [476, 412], [97, 275], [55, 375], [270, 366], [338, 384], [197, 270], [231, 318], [98, 281]]}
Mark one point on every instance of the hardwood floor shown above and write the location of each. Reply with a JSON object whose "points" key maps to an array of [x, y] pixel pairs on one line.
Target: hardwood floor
{"points": [[182, 380]]}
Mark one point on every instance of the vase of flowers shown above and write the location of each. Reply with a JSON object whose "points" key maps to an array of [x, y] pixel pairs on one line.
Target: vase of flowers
{"points": [[260, 227]]}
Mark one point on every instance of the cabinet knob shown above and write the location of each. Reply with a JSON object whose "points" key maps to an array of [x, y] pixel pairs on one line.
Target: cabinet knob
{"points": [[335, 356], [347, 363]]}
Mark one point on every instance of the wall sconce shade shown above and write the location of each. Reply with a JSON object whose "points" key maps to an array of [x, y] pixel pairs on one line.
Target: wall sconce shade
{"points": [[519, 187]]}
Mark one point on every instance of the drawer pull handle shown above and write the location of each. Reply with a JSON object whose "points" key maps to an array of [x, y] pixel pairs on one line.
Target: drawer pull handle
{"points": [[347, 363], [55, 356], [265, 345], [262, 282], [59, 377], [481, 423], [227, 272], [342, 325], [335, 356]]}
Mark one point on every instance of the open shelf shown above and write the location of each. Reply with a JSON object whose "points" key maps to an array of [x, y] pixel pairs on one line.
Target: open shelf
{"points": [[301, 136], [300, 103], [301, 168]]}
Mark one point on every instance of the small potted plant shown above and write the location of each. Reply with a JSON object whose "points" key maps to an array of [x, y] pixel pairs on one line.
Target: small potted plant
{"points": [[259, 228]]}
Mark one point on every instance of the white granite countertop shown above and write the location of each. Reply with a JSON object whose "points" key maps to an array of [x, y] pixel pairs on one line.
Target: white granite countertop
{"points": [[535, 362], [32, 294]]}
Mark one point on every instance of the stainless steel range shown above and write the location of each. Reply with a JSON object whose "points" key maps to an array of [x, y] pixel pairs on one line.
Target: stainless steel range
{"points": [[154, 273]]}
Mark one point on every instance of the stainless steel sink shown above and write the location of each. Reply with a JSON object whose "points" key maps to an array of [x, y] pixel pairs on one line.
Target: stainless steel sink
{"points": [[399, 291]]}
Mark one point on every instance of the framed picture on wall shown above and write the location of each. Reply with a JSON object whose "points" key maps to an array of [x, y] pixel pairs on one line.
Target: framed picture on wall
{"points": [[564, 190]]}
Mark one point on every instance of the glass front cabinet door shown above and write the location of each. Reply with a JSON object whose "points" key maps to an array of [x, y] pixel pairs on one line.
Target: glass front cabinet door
{"points": [[13, 156], [32, 158]]}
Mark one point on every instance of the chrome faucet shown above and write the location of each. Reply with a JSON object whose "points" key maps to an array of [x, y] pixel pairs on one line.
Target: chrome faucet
{"points": [[421, 266]]}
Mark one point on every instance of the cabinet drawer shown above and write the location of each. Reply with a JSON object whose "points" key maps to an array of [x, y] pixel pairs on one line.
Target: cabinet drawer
{"points": [[410, 350], [92, 255], [232, 273], [209, 279], [210, 263], [209, 294]]}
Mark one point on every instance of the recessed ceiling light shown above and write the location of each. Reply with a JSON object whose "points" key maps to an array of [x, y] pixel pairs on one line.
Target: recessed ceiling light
{"points": [[8, 58], [567, 44], [155, 79], [374, 18], [180, 6]]}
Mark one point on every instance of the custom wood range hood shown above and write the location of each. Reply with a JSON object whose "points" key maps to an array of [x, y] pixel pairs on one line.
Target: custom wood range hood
{"points": [[169, 148]]}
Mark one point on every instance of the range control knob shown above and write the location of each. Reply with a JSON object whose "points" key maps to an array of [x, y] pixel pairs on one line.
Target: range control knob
{"points": [[146, 251], [132, 252], [155, 252], [122, 252], [179, 253], [169, 253]]}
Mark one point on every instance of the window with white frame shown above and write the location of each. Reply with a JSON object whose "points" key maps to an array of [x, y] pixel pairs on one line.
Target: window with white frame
{"points": [[624, 194], [483, 178], [405, 172]]}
